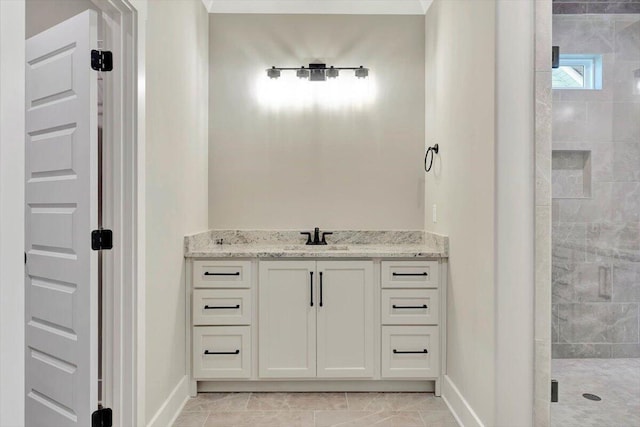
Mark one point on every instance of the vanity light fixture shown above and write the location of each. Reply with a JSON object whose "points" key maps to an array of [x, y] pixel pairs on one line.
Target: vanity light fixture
{"points": [[317, 72], [273, 73]]}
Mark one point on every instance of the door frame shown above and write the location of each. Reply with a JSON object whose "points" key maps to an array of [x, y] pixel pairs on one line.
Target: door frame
{"points": [[12, 127], [120, 212]]}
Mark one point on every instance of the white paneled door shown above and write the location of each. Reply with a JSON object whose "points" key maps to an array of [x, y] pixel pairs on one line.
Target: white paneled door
{"points": [[61, 211]]}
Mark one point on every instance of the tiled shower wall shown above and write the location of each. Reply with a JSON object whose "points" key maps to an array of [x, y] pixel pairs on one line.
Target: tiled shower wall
{"points": [[596, 6], [596, 194]]}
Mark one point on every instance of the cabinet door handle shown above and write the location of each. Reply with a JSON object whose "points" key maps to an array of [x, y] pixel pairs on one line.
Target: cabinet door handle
{"points": [[410, 352], [321, 289], [207, 352], [409, 306], [311, 286], [206, 273], [424, 273], [221, 307]]}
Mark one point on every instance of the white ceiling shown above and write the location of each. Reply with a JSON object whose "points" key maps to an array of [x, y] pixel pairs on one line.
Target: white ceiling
{"points": [[349, 7]]}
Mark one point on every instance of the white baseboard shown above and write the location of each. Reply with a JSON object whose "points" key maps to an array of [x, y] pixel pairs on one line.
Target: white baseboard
{"points": [[171, 407], [458, 405]]}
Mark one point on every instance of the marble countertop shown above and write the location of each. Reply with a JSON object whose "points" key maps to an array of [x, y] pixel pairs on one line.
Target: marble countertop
{"points": [[288, 244], [329, 251]]}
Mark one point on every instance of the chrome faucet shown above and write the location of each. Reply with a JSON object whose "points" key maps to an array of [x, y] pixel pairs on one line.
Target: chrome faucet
{"points": [[316, 237]]}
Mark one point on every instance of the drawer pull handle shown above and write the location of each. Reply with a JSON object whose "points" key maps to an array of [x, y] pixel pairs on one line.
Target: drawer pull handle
{"points": [[410, 352], [410, 274], [409, 306], [206, 273], [207, 352], [221, 307]]}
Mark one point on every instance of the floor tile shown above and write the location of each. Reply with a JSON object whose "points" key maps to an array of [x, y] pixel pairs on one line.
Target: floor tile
{"points": [[297, 401], [438, 418], [368, 418], [261, 418], [394, 402], [217, 402], [191, 419], [616, 381], [315, 409]]}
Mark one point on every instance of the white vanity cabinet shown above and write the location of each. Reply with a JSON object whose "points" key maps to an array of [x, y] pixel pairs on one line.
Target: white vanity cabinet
{"points": [[316, 324], [316, 319]]}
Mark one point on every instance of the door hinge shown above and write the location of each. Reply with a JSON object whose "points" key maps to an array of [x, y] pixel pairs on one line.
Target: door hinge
{"points": [[103, 417], [101, 60], [554, 391], [101, 239], [555, 57]]}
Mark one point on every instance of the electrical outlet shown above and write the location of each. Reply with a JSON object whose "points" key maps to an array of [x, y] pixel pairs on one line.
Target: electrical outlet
{"points": [[434, 214]]}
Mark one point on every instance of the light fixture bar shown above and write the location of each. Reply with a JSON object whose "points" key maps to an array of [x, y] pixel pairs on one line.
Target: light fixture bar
{"points": [[317, 71]]}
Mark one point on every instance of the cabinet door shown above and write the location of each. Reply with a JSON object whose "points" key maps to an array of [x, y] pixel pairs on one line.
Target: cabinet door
{"points": [[287, 319], [345, 319]]}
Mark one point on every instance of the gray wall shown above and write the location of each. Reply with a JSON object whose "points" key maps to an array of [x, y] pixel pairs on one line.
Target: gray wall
{"points": [[596, 186], [294, 164], [41, 15]]}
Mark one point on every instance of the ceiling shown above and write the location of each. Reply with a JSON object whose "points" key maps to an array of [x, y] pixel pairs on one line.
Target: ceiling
{"points": [[348, 7]]}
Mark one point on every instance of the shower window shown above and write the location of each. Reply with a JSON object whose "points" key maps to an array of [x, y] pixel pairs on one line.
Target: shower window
{"points": [[578, 71]]}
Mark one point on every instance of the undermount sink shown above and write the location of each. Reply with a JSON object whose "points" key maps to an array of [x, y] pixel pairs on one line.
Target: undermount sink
{"points": [[315, 247]]}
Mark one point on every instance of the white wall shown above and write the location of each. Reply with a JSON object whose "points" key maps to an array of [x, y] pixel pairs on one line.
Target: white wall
{"points": [[515, 184], [481, 114], [294, 164], [12, 107], [460, 117], [176, 180]]}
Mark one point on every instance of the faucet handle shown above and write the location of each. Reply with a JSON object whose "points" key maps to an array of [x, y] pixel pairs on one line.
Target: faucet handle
{"points": [[324, 240], [306, 233]]}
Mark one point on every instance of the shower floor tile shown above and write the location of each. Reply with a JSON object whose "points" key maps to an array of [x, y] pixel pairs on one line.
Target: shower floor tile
{"points": [[616, 381]]}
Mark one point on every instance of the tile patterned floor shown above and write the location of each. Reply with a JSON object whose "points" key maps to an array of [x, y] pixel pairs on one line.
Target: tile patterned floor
{"points": [[315, 410], [616, 381]]}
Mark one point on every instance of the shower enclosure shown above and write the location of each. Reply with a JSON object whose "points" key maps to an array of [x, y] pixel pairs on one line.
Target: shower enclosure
{"points": [[596, 214]]}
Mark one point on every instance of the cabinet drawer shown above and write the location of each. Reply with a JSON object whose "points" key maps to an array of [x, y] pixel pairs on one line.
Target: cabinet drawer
{"points": [[410, 307], [410, 274], [222, 274], [221, 352], [222, 307], [410, 352]]}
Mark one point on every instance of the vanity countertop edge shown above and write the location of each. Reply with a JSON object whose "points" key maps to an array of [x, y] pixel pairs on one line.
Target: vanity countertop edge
{"points": [[416, 244]]}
